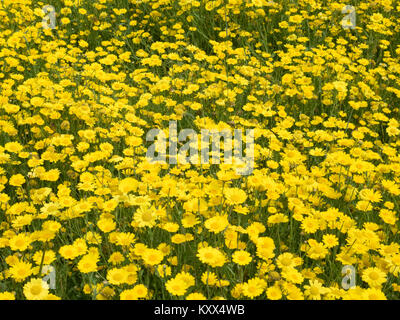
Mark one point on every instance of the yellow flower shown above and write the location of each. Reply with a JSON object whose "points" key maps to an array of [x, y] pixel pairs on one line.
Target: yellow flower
{"points": [[186, 277], [21, 270], [128, 294], [116, 258], [217, 224], [209, 278], [68, 252], [125, 238], [36, 289], [51, 175], [265, 247], [106, 225], [241, 257], [176, 287], [117, 276], [330, 240], [7, 296], [14, 147], [20, 242], [37, 101], [178, 238], [254, 287], [17, 180], [140, 291], [274, 293], [65, 20], [235, 196], [315, 289], [374, 277], [374, 294], [310, 225], [370, 195], [211, 256], [296, 19], [127, 185], [170, 227], [195, 296], [152, 256], [104, 293], [292, 275], [145, 216], [164, 270], [49, 257], [87, 264], [51, 296], [285, 260]]}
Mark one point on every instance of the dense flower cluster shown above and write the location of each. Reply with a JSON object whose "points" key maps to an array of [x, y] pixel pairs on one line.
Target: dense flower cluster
{"points": [[80, 202]]}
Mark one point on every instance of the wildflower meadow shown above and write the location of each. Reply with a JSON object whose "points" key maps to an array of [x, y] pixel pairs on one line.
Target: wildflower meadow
{"points": [[196, 149]]}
